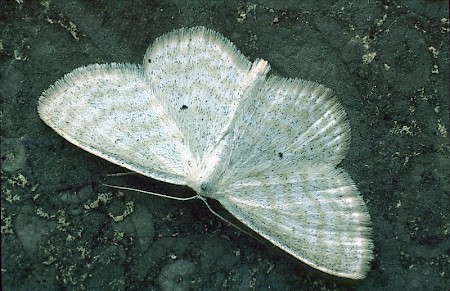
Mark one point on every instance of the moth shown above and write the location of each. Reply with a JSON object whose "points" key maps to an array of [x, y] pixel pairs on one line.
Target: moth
{"points": [[198, 113]]}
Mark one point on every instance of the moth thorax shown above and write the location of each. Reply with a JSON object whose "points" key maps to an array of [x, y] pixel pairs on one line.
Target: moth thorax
{"points": [[205, 189]]}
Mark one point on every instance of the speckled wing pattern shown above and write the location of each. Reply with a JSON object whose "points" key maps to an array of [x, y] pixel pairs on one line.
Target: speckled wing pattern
{"points": [[108, 110], [198, 113], [283, 182], [200, 77]]}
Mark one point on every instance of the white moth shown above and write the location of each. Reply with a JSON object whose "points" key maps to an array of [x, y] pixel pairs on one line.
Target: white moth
{"points": [[198, 113]]}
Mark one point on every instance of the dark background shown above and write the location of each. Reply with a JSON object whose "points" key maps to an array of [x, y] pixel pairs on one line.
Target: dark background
{"points": [[387, 62]]}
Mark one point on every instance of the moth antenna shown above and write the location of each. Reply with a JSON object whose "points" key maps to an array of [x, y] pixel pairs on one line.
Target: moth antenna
{"points": [[227, 221], [122, 174], [152, 193], [183, 199]]}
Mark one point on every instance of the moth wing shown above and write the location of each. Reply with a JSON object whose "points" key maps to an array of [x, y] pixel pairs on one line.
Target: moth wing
{"points": [[284, 126], [200, 78], [109, 111], [317, 217], [278, 176]]}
